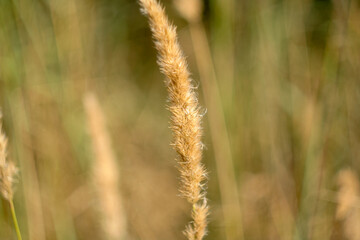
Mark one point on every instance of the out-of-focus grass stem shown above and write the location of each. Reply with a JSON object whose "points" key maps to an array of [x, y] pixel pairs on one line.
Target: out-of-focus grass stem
{"points": [[218, 132]]}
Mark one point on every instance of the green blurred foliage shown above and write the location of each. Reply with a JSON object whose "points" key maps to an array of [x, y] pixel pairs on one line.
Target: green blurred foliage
{"points": [[287, 74]]}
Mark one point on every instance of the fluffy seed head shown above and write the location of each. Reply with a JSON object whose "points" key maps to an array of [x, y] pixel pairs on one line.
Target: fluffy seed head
{"points": [[186, 116], [8, 170]]}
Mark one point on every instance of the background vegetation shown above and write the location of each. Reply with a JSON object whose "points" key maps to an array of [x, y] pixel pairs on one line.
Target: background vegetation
{"points": [[282, 116]]}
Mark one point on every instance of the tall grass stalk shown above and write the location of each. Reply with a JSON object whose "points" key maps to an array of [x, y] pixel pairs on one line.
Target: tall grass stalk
{"points": [[186, 116], [106, 176]]}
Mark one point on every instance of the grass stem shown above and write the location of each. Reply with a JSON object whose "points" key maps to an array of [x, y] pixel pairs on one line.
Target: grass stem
{"points": [[13, 214]]}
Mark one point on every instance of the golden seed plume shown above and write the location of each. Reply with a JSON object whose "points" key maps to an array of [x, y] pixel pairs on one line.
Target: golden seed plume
{"points": [[106, 176], [8, 170], [186, 116], [348, 209]]}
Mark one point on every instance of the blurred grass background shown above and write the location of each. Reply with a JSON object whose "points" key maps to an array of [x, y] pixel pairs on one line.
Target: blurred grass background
{"points": [[287, 79]]}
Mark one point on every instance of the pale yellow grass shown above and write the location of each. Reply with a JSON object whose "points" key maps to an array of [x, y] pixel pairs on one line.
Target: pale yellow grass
{"points": [[105, 172], [186, 116]]}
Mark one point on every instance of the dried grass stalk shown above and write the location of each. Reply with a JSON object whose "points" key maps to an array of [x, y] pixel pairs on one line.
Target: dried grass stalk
{"points": [[186, 116], [106, 176], [348, 209], [190, 9]]}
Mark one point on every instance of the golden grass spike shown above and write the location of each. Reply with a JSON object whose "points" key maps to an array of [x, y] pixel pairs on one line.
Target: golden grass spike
{"points": [[106, 176], [8, 173], [8, 170], [186, 116], [348, 203]]}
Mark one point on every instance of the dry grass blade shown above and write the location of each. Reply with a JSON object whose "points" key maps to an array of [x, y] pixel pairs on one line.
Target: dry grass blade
{"points": [[191, 10], [186, 116]]}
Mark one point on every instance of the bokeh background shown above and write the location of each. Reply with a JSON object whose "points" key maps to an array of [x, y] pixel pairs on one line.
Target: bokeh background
{"points": [[278, 80]]}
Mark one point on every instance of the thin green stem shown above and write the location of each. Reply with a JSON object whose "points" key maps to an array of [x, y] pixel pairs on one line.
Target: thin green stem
{"points": [[18, 233]]}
